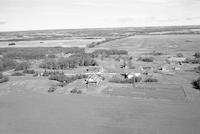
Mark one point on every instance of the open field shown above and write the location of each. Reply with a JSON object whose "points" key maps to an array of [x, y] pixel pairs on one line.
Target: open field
{"points": [[169, 44], [23, 113], [170, 105], [52, 43]]}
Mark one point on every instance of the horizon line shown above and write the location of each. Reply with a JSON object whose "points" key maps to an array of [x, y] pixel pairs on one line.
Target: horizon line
{"points": [[152, 26]]}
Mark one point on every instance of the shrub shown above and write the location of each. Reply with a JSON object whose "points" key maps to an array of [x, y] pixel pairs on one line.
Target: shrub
{"points": [[4, 79], [196, 83], [26, 71], [76, 91], [179, 55], [61, 84], [146, 59], [150, 80], [52, 89], [197, 55], [17, 74], [22, 66]]}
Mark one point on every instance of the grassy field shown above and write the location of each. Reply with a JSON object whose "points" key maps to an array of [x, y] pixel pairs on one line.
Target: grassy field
{"points": [[77, 114], [169, 44], [52, 43]]}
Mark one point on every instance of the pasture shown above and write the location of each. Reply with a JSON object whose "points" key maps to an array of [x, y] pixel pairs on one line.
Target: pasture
{"points": [[52, 43]]}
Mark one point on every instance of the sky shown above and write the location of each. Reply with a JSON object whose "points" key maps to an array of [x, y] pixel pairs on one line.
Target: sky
{"points": [[69, 14]]}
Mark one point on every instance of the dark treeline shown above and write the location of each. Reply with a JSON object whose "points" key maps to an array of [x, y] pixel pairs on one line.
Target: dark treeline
{"points": [[66, 79], [93, 44], [71, 62], [37, 52], [108, 52]]}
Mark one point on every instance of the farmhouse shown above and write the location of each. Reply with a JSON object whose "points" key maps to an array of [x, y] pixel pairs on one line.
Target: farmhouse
{"points": [[94, 78], [164, 69]]}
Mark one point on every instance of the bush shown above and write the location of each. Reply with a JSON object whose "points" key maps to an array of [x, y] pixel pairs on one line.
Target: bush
{"points": [[179, 55], [150, 80], [76, 91], [29, 71], [4, 79], [52, 89], [22, 66], [196, 83], [61, 84], [146, 59], [17, 74], [197, 55]]}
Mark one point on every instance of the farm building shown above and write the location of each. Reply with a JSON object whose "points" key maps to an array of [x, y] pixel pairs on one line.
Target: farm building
{"points": [[93, 78], [164, 69]]}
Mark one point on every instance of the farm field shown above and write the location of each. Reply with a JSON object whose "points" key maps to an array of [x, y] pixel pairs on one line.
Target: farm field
{"points": [[170, 105], [169, 44], [52, 43]]}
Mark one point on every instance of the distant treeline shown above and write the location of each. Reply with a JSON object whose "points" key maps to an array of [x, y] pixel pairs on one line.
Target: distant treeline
{"points": [[66, 79], [93, 44], [108, 52], [37, 52]]}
